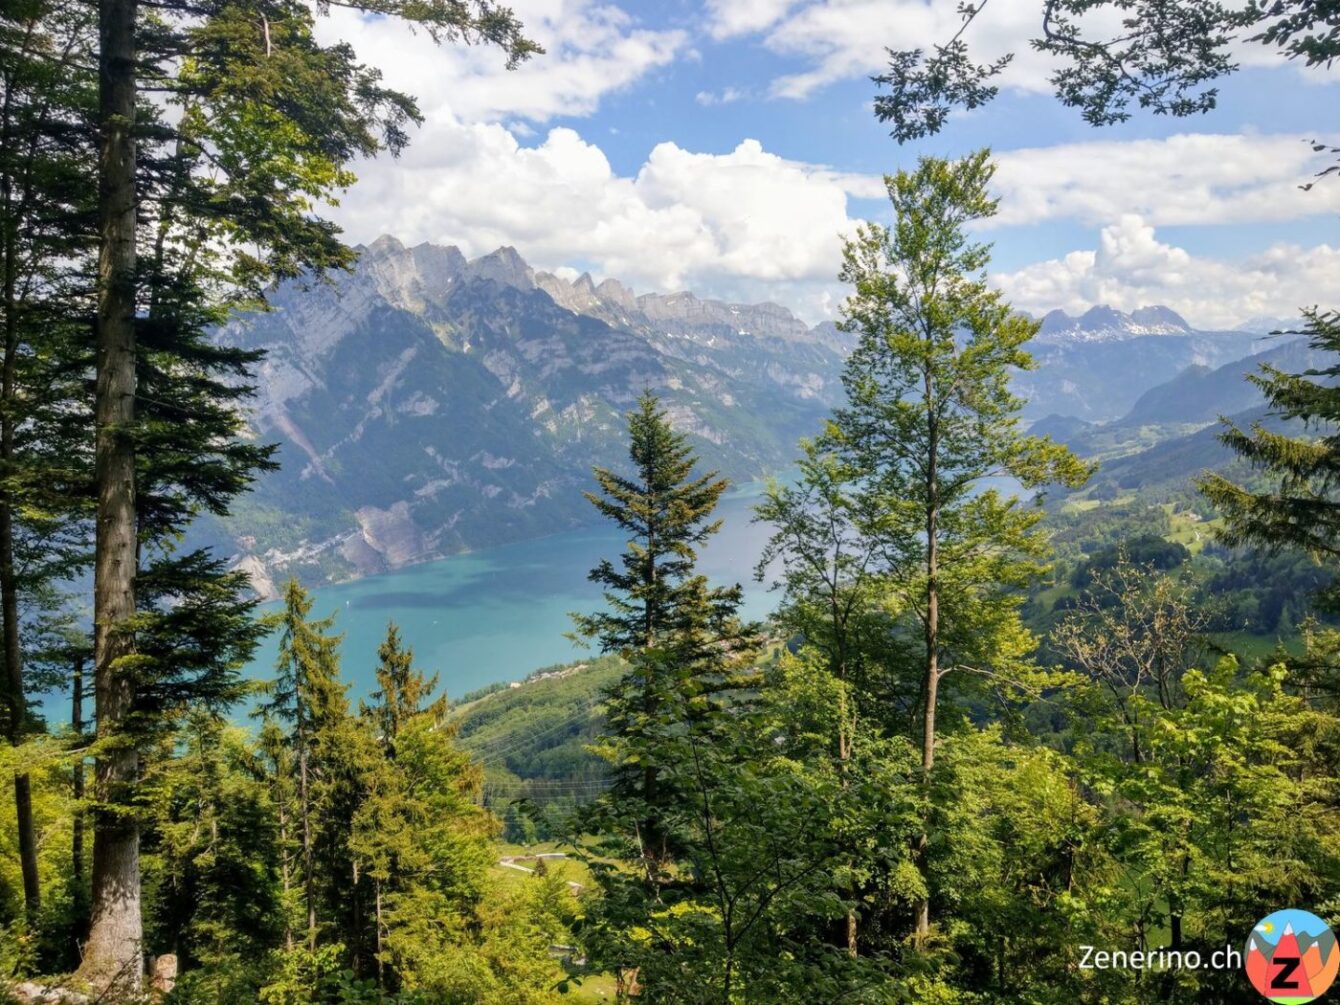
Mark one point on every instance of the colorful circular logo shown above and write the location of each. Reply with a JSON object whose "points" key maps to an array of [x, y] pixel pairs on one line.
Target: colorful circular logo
{"points": [[1291, 956]]}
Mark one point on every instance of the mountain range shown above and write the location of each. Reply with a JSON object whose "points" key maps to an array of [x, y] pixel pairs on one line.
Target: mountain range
{"points": [[426, 403]]}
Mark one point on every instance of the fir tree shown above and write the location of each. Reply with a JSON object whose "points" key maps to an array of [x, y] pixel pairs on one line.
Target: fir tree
{"points": [[662, 613], [276, 117], [212, 861], [1301, 509], [403, 692], [420, 839], [44, 298], [305, 696]]}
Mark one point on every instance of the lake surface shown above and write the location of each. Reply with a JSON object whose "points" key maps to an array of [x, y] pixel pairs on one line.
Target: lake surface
{"points": [[499, 613]]}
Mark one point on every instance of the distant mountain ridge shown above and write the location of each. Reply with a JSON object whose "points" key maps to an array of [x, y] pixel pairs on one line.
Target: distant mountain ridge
{"points": [[427, 403], [1103, 323], [1202, 393]]}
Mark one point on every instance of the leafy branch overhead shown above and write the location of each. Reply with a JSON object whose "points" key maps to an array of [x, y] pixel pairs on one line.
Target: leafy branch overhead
{"points": [[1113, 56]]}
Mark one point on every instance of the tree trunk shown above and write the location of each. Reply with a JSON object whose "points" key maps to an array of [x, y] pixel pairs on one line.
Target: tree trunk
{"points": [[77, 727], [932, 682], [9, 593], [112, 953], [285, 869], [356, 909], [381, 963], [844, 758], [308, 868]]}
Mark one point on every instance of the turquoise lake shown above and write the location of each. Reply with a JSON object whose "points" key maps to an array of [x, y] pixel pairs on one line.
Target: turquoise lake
{"points": [[499, 613]]}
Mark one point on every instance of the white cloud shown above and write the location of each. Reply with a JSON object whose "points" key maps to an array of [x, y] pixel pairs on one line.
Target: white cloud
{"points": [[728, 18], [746, 223], [1190, 178], [847, 38], [1131, 268], [591, 48], [1185, 179], [841, 39], [725, 96], [751, 225]]}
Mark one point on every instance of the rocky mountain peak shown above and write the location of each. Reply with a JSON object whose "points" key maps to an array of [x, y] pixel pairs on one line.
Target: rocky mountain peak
{"points": [[386, 245], [1102, 316], [423, 276], [410, 278], [504, 266], [611, 291], [1159, 317], [1102, 323]]}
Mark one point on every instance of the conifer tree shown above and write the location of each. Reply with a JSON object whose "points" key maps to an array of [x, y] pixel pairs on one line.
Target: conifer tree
{"points": [[304, 696], [929, 416], [211, 860], [662, 612], [421, 840], [44, 289], [403, 691], [276, 116], [1301, 509]]}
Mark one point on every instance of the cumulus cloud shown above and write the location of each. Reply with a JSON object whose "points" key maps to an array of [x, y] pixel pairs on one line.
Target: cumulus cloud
{"points": [[1186, 179], [840, 39], [747, 220], [752, 225], [728, 18], [591, 48], [1131, 267]]}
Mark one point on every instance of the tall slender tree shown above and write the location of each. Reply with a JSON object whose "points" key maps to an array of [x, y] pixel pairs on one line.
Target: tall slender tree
{"points": [[658, 602], [44, 297], [306, 673], [276, 116], [929, 417]]}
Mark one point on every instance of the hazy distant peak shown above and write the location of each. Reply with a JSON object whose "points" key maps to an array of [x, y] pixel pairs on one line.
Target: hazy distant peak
{"points": [[1266, 325], [614, 292], [1102, 316], [427, 273], [1159, 316], [1105, 323], [386, 244]]}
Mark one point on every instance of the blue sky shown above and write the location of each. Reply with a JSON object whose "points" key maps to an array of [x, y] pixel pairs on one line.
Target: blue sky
{"points": [[725, 146]]}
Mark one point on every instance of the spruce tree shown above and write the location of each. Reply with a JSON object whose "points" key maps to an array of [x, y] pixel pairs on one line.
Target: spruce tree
{"points": [[402, 692], [211, 860], [303, 697], [266, 121], [418, 800], [661, 611], [929, 417], [44, 295], [1301, 507]]}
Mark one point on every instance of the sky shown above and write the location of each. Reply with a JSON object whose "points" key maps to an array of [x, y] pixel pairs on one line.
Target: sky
{"points": [[728, 146]]}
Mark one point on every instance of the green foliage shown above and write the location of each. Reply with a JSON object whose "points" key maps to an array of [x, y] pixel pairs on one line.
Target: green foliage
{"points": [[1301, 510], [211, 862], [1164, 58], [681, 638]]}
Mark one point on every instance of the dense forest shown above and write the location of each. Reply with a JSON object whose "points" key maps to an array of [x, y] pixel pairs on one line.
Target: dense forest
{"points": [[984, 729]]}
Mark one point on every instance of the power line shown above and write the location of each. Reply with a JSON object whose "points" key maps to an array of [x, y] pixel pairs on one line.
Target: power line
{"points": [[493, 753]]}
